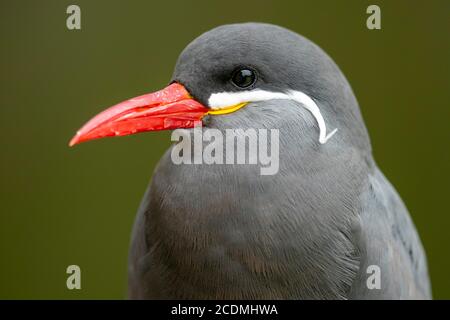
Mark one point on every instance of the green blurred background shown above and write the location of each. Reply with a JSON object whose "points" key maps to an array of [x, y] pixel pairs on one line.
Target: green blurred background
{"points": [[62, 206]]}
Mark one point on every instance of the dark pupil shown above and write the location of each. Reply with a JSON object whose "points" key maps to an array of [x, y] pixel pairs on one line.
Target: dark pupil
{"points": [[243, 78]]}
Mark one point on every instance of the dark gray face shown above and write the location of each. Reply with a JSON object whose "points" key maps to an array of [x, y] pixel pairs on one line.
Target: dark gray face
{"points": [[281, 59]]}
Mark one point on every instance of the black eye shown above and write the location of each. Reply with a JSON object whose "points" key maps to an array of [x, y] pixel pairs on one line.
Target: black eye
{"points": [[243, 77]]}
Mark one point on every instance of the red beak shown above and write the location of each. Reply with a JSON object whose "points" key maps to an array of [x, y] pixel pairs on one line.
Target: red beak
{"points": [[170, 108]]}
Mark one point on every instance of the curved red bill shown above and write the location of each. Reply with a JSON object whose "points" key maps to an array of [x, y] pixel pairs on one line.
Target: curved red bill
{"points": [[169, 108]]}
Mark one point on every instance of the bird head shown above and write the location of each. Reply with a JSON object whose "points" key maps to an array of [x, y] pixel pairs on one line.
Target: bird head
{"points": [[232, 67]]}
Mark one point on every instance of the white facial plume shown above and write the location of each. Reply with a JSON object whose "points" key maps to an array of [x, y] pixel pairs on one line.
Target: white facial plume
{"points": [[221, 100]]}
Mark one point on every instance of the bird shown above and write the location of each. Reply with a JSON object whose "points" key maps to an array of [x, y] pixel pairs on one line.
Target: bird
{"points": [[315, 229]]}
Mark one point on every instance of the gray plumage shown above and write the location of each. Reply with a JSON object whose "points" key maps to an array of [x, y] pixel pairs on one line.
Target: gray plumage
{"points": [[308, 232]]}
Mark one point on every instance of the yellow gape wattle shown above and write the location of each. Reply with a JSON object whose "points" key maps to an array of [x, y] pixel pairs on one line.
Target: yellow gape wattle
{"points": [[227, 109]]}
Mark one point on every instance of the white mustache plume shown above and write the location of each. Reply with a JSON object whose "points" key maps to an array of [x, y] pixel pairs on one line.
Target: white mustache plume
{"points": [[223, 99]]}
